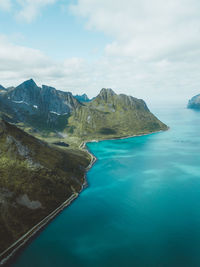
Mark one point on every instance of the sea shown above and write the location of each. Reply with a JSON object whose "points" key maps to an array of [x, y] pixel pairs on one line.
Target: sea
{"points": [[141, 207]]}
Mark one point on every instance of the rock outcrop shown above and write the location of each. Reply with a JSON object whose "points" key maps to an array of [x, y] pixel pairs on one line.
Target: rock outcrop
{"points": [[82, 98], [194, 102]]}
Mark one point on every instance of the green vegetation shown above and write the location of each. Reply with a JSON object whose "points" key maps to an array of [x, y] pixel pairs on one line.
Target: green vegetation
{"points": [[111, 116], [45, 174]]}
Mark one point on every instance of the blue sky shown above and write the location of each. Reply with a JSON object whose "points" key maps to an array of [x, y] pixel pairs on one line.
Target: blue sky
{"points": [[147, 48], [57, 32]]}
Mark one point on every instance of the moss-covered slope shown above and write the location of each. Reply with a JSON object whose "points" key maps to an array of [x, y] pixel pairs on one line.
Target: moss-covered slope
{"points": [[110, 115], [35, 178]]}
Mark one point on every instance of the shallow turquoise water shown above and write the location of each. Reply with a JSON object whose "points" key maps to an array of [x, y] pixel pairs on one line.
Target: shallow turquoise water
{"points": [[142, 207]]}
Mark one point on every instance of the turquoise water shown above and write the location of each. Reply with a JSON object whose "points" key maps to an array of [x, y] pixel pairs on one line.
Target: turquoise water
{"points": [[142, 207]]}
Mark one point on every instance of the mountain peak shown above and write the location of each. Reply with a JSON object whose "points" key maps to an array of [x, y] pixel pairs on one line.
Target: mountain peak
{"points": [[107, 91], [2, 88], [82, 98], [30, 83]]}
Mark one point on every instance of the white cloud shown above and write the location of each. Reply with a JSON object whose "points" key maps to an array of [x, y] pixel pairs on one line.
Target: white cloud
{"points": [[25, 10], [19, 63], [155, 52], [144, 29], [156, 44], [5, 5], [30, 9], [123, 74]]}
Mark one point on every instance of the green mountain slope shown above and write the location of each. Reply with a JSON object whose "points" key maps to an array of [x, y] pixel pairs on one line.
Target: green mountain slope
{"points": [[35, 178], [110, 115]]}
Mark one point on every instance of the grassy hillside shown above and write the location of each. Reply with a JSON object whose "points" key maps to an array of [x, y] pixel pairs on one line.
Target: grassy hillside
{"points": [[110, 115], [35, 178]]}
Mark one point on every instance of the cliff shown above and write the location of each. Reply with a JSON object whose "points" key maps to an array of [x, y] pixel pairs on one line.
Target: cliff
{"points": [[82, 98]]}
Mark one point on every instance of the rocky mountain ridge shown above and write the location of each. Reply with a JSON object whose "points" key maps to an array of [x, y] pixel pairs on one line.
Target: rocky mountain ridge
{"points": [[36, 106], [82, 98], [112, 116], [108, 115]]}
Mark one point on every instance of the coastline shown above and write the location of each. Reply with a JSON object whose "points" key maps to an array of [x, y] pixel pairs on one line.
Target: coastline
{"points": [[11, 251], [7, 254], [84, 143]]}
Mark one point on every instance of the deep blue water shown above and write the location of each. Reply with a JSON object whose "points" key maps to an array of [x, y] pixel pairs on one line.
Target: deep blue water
{"points": [[142, 206]]}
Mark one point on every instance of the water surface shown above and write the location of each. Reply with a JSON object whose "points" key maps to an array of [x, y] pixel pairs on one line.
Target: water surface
{"points": [[142, 207]]}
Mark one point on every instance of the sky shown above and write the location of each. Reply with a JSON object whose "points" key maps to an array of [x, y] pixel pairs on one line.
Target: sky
{"points": [[149, 49]]}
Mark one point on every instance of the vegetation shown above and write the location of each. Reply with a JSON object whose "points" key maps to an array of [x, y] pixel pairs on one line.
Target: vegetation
{"points": [[45, 174], [111, 116]]}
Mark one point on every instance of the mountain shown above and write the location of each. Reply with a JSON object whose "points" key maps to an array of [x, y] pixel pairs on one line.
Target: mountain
{"points": [[56, 114], [82, 98], [2, 88], [35, 178], [194, 102], [42, 107], [110, 115]]}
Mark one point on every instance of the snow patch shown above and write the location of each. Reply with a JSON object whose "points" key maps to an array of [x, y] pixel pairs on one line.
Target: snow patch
{"points": [[53, 112], [20, 102]]}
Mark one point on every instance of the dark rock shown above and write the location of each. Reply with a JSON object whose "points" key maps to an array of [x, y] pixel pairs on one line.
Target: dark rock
{"points": [[82, 98], [194, 102], [61, 144]]}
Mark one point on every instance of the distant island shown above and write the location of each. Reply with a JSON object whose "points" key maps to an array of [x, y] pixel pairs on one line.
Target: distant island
{"points": [[43, 162], [194, 102]]}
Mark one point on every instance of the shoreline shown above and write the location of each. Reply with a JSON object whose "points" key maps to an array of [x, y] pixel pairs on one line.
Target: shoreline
{"points": [[11, 251], [84, 143]]}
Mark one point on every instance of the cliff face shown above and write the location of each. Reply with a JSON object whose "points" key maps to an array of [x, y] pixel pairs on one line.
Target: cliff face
{"points": [[194, 102], [35, 178], [2, 88], [41, 107], [82, 98], [110, 115]]}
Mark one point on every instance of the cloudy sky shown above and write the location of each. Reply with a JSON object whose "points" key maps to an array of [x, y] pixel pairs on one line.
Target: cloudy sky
{"points": [[148, 48]]}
